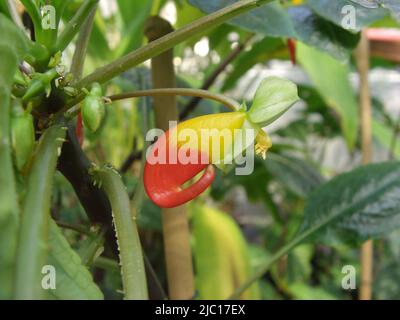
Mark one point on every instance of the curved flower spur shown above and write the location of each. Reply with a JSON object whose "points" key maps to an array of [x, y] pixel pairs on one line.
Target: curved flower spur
{"points": [[194, 146]]}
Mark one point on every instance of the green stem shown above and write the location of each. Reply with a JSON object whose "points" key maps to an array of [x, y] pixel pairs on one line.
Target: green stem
{"points": [[74, 26], [131, 257], [78, 59], [230, 103], [32, 244], [170, 40]]}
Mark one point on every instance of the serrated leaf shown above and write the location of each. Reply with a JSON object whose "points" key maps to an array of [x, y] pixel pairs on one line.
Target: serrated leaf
{"points": [[273, 98], [355, 206], [73, 280]]}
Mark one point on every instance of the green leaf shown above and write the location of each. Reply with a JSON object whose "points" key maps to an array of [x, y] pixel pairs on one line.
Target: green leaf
{"points": [[73, 279], [351, 208], [331, 79], [384, 135], [273, 98], [298, 176], [322, 34], [333, 11], [12, 48], [298, 22], [134, 15], [220, 253], [355, 206], [272, 20]]}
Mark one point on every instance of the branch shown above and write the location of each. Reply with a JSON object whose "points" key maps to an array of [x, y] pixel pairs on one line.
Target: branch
{"points": [[170, 40]]}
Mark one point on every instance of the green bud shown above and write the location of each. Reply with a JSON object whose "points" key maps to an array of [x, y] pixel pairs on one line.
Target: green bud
{"points": [[40, 84], [93, 111], [23, 138]]}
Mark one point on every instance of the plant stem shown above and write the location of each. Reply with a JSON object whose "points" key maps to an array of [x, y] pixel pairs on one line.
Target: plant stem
{"points": [[131, 257], [32, 244], [167, 92], [74, 26], [78, 59], [362, 59], [170, 40], [176, 233]]}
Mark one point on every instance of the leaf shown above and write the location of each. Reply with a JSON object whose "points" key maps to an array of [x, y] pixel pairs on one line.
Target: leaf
{"points": [[298, 176], [322, 34], [272, 20], [384, 135], [12, 48], [331, 79], [221, 255], [334, 12], [355, 206], [73, 279], [298, 22], [273, 98], [134, 15]]}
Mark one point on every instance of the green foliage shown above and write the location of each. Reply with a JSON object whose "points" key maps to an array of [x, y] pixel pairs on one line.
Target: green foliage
{"points": [[73, 279], [355, 206], [221, 255], [331, 78], [273, 98]]}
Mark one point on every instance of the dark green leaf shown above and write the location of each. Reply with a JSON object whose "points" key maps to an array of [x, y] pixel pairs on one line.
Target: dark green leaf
{"points": [[355, 206], [333, 11], [322, 34], [298, 176], [272, 20]]}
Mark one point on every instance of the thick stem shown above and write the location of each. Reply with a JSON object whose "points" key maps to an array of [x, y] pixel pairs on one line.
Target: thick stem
{"points": [[362, 57], [78, 59], [32, 243], [131, 257], [175, 221]]}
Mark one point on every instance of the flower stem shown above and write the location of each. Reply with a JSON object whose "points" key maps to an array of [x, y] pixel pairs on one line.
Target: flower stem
{"points": [[230, 103]]}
